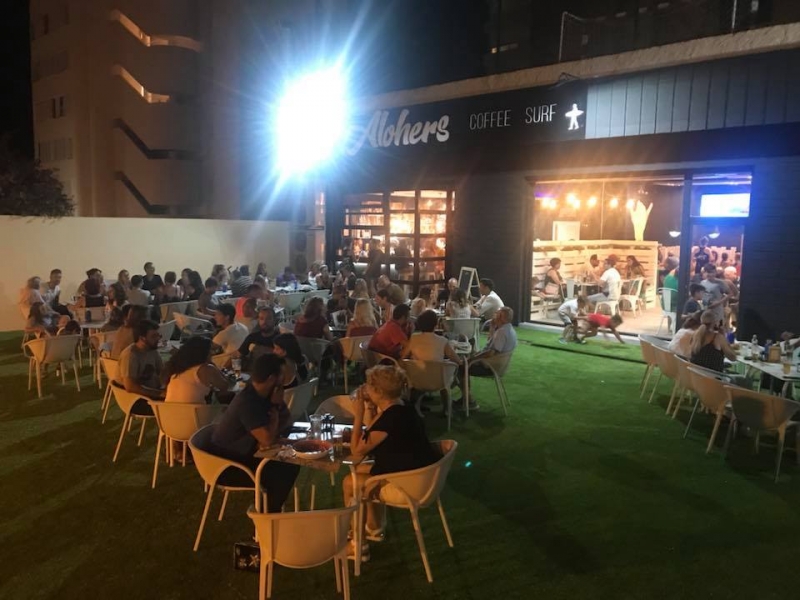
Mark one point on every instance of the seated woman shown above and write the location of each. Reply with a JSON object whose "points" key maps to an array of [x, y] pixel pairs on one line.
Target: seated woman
{"points": [[171, 292], [312, 323], [633, 270], [395, 438], [338, 303], [422, 302], [458, 307], [681, 342], [43, 321], [286, 346], [709, 347], [361, 290], [363, 321], [190, 376], [116, 319], [550, 286]]}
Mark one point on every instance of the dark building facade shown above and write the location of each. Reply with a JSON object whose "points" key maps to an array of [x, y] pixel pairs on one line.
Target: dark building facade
{"points": [[731, 122]]}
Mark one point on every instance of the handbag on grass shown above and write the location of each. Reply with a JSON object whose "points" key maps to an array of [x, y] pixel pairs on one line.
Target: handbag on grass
{"points": [[247, 556]]}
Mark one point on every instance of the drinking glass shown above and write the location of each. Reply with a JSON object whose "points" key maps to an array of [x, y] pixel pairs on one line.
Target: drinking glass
{"points": [[315, 432], [787, 365], [236, 365]]}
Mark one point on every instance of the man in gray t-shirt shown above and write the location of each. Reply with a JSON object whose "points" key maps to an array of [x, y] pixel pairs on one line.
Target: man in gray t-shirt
{"points": [[140, 364], [715, 296]]}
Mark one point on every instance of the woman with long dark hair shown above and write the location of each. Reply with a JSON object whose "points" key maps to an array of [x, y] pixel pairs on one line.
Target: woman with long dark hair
{"points": [[195, 287], [313, 324], [190, 375], [709, 345], [287, 347]]}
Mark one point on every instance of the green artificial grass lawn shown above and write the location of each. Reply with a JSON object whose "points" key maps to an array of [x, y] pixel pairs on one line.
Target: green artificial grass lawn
{"points": [[583, 491]]}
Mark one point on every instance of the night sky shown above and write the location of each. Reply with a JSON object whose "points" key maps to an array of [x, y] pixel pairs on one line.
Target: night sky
{"points": [[15, 75], [404, 44]]}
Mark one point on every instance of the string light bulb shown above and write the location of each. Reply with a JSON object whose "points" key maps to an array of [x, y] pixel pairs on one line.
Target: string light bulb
{"points": [[592, 201], [613, 203], [630, 204]]}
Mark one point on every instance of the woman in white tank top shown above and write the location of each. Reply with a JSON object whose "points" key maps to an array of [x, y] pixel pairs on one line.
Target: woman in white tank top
{"points": [[191, 375]]}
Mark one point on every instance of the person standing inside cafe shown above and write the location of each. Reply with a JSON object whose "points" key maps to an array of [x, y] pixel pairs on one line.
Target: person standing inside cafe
{"points": [[375, 260]]}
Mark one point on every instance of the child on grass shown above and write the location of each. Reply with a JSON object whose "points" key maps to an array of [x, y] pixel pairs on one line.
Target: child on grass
{"points": [[569, 313], [593, 322]]}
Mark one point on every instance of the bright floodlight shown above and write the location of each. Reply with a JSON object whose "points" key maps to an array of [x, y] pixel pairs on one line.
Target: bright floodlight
{"points": [[311, 121]]}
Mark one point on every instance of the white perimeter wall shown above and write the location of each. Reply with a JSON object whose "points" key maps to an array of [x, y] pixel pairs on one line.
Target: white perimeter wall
{"points": [[75, 244]]}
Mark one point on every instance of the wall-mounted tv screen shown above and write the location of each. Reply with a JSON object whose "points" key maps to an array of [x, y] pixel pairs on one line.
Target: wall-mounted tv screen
{"points": [[725, 205]]}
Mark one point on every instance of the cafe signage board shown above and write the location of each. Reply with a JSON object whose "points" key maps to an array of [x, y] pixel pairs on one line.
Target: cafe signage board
{"points": [[544, 114]]}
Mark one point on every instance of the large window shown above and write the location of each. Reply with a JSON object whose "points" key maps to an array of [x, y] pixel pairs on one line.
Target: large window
{"points": [[409, 226], [637, 222]]}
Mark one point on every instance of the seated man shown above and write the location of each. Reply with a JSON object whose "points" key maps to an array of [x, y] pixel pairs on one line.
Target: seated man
{"points": [[137, 296], [261, 340], [569, 312], [395, 292], [383, 302], [610, 281], [694, 303], [140, 364], [255, 419], [207, 303], [444, 294], [489, 302], [590, 326], [502, 340], [392, 335], [230, 334]]}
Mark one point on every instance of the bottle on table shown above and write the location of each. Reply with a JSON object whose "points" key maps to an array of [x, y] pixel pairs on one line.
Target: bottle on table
{"points": [[754, 348]]}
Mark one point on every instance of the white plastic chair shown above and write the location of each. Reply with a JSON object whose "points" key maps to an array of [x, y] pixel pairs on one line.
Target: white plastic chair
{"points": [[668, 311], [710, 389], [298, 398], [110, 367], [611, 305], [313, 349], [56, 350], [167, 329], [221, 360], [178, 422], [418, 489], [291, 303], [341, 407], [372, 358], [351, 352], [324, 294], [302, 540], [217, 472], [99, 343], [632, 298], [169, 308], [191, 324], [134, 407], [431, 376], [667, 367], [649, 357], [469, 328], [762, 413], [498, 365]]}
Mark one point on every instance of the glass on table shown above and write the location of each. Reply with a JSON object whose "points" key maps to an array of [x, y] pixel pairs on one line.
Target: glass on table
{"points": [[236, 365], [786, 363], [315, 431]]}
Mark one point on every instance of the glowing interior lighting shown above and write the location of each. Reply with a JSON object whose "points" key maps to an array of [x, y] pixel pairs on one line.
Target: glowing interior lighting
{"points": [[630, 204], [714, 234], [613, 203], [311, 120], [674, 233], [592, 201]]}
